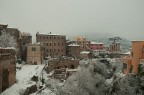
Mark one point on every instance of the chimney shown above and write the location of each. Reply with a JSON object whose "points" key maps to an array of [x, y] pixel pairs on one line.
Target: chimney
{"points": [[50, 33]]}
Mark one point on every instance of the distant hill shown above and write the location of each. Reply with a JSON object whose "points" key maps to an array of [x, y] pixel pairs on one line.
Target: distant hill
{"points": [[104, 37]]}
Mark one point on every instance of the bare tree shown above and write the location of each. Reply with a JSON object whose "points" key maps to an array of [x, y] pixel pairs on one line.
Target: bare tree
{"points": [[6, 40]]}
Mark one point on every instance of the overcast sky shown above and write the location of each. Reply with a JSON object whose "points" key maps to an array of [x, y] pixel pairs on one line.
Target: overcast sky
{"points": [[75, 17]]}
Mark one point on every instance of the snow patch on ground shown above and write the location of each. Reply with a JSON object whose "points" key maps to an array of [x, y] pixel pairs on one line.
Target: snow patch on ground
{"points": [[23, 77]]}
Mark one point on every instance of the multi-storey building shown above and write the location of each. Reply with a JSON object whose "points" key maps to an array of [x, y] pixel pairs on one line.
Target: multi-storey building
{"points": [[115, 47], [82, 42], [95, 46], [26, 38], [132, 61], [54, 45], [73, 50], [34, 54]]}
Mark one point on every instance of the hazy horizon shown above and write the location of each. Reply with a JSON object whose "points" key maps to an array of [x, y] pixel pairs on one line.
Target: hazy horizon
{"points": [[123, 18]]}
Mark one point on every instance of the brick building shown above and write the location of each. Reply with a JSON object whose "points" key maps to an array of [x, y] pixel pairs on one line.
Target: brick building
{"points": [[95, 46], [86, 55], [54, 45], [132, 61], [26, 39], [7, 68], [62, 63], [34, 54], [73, 50]]}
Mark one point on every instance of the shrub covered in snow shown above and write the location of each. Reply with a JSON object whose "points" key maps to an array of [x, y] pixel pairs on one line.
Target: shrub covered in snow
{"points": [[6, 40]]}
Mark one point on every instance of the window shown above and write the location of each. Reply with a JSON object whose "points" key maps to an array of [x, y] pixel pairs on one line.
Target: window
{"points": [[58, 37], [132, 54], [47, 50], [62, 44], [54, 44], [124, 66], [50, 44], [33, 49], [54, 37], [58, 44], [40, 37]]}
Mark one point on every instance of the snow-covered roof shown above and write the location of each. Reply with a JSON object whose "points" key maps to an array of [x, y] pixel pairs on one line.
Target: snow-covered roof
{"points": [[71, 70], [85, 52], [7, 48], [128, 52], [96, 43], [73, 45], [50, 34]]}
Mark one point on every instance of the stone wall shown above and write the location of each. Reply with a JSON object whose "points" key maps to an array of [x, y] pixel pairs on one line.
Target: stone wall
{"points": [[62, 63], [7, 68]]}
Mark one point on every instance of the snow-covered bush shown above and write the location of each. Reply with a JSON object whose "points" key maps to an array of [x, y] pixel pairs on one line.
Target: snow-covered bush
{"points": [[6, 40], [85, 82]]}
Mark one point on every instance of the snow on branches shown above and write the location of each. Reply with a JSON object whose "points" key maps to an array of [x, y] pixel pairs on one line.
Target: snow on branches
{"points": [[6, 40]]}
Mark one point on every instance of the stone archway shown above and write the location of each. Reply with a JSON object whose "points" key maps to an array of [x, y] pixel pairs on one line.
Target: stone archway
{"points": [[5, 79]]}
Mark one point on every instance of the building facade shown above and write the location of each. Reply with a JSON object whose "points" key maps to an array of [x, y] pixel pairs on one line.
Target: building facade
{"points": [[79, 40], [34, 54], [54, 45], [73, 50], [62, 64], [7, 68], [137, 56], [115, 48], [95, 46]]}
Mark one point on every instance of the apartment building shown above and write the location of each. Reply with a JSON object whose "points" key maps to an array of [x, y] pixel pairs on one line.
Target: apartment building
{"points": [[95, 46], [34, 54], [132, 61], [54, 45]]}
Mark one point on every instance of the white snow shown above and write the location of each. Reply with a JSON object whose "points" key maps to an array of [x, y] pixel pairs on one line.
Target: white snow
{"points": [[85, 52], [96, 43], [23, 78], [73, 45]]}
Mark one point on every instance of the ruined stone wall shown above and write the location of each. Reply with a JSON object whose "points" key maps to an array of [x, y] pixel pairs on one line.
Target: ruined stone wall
{"points": [[7, 68], [62, 63]]}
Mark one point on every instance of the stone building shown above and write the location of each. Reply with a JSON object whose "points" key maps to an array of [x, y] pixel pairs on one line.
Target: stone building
{"points": [[7, 68], [86, 55], [73, 50], [54, 45], [34, 54], [62, 63], [26, 39]]}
